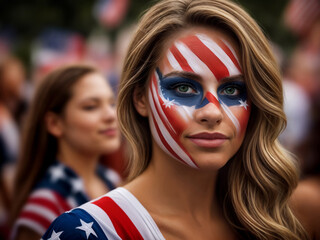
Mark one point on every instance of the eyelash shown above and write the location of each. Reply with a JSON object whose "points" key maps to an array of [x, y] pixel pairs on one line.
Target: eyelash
{"points": [[89, 108], [237, 89], [190, 86]]}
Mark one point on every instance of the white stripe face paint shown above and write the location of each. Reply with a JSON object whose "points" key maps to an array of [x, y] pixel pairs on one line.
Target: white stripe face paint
{"points": [[216, 49], [198, 69], [168, 136]]}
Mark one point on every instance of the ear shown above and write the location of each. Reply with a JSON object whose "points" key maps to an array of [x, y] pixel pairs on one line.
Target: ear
{"points": [[53, 124], [140, 101]]}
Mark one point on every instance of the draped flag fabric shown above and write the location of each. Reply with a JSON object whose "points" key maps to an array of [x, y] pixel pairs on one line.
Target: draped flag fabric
{"points": [[60, 190], [115, 216]]}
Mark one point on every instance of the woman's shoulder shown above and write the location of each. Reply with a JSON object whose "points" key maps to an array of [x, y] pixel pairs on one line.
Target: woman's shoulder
{"points": [[98, 218], [76, 224], [115, 215], [305, 203]]}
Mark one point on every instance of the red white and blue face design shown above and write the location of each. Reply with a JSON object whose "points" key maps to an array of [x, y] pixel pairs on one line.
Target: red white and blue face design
{"points": [[198, 99]]}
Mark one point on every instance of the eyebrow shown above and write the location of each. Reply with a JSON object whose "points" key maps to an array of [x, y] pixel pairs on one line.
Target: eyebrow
{"points": [[238, 77], [189, 75], [194, 76], [96, 99]]}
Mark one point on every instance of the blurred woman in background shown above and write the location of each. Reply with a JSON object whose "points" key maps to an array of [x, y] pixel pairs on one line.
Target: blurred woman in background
{"points": [[12, 108], [71, 123]]}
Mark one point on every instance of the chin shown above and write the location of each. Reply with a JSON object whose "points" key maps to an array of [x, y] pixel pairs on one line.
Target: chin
{"points": [[111, 146], [213, 163]]}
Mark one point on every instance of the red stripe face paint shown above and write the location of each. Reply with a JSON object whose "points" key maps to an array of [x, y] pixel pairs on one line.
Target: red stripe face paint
{"points": [[199, 71]]}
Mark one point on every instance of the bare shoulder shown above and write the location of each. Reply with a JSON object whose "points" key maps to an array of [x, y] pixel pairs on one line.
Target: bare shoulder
{"points": [[305, 203]]}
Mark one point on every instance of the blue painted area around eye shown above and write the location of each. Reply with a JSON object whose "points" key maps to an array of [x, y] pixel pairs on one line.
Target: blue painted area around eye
{"points": [[168, 87], [231, 100]]}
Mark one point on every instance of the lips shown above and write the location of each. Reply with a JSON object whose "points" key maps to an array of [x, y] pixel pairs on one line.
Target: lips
{"points": [[208, 140], [110, 132]]}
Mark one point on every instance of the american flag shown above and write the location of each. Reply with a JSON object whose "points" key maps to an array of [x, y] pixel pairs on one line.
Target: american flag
{"points": [[110, 13], [56, 47], [60, 190], [116, 215]]}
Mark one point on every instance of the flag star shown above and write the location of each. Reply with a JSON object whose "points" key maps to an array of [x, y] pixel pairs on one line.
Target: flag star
{"points": [[77, 185], [168, 103], [57, 172], [243, 104], [87, 227], [55, 235]]}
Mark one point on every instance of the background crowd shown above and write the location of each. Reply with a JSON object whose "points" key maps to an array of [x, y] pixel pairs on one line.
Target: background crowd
{"points": [[38, 37]]}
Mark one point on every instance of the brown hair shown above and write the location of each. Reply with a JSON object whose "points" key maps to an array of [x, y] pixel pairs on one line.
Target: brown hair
{"points": [[261, 176]]}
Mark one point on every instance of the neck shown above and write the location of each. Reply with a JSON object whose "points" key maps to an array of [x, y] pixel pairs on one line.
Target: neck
{"points": [[84, 164], [171, 186]]}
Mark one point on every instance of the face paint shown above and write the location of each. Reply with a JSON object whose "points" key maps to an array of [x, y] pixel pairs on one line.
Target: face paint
{"points": [[175, 97]]}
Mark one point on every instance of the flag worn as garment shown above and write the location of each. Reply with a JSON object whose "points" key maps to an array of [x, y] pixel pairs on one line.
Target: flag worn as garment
{"points": [[60, 190], [114, 216]]}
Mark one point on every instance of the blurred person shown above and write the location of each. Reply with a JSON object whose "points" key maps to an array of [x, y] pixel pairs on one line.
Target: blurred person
{"points": [[71, 123], [200, 102], [12, 107], [12, 78], [305, 72], [303, 18]]}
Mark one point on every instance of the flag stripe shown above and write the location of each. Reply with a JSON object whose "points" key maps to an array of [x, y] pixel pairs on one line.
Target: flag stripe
{"points": [[137, 214], [180, 59], [173, 62], [42, 211], [34, 225], [213, 99], [221, 55], [231, 117], [207, 56], [45, 203], [102, 218], [226, 47], [171, 140], [123, 225], [198, 66], [34, 217], [159, 103]]}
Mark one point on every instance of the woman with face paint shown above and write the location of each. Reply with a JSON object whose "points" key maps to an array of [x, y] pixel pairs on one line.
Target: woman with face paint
{"points": [[200, 103]]}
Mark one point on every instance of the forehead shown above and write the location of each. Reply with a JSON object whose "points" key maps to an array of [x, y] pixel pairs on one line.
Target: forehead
{"points": [[212, 33], [197, 48], [92, 84]]}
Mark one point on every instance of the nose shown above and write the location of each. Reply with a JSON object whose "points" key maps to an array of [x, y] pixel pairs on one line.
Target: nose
{"points": [[109, 113], [209, 114]]}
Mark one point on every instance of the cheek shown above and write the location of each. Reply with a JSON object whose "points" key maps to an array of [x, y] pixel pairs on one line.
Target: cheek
{"points": [[242, 115], [179, 117], [166, 114], [81, 122]]}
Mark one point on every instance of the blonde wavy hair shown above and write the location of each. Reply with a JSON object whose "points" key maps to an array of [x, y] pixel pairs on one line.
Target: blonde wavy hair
{"points": [[254, 187]]}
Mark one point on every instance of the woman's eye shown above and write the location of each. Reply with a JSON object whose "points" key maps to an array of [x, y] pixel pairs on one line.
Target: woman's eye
{"points": [[183, 88], [231, 91], [89, 108]]}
